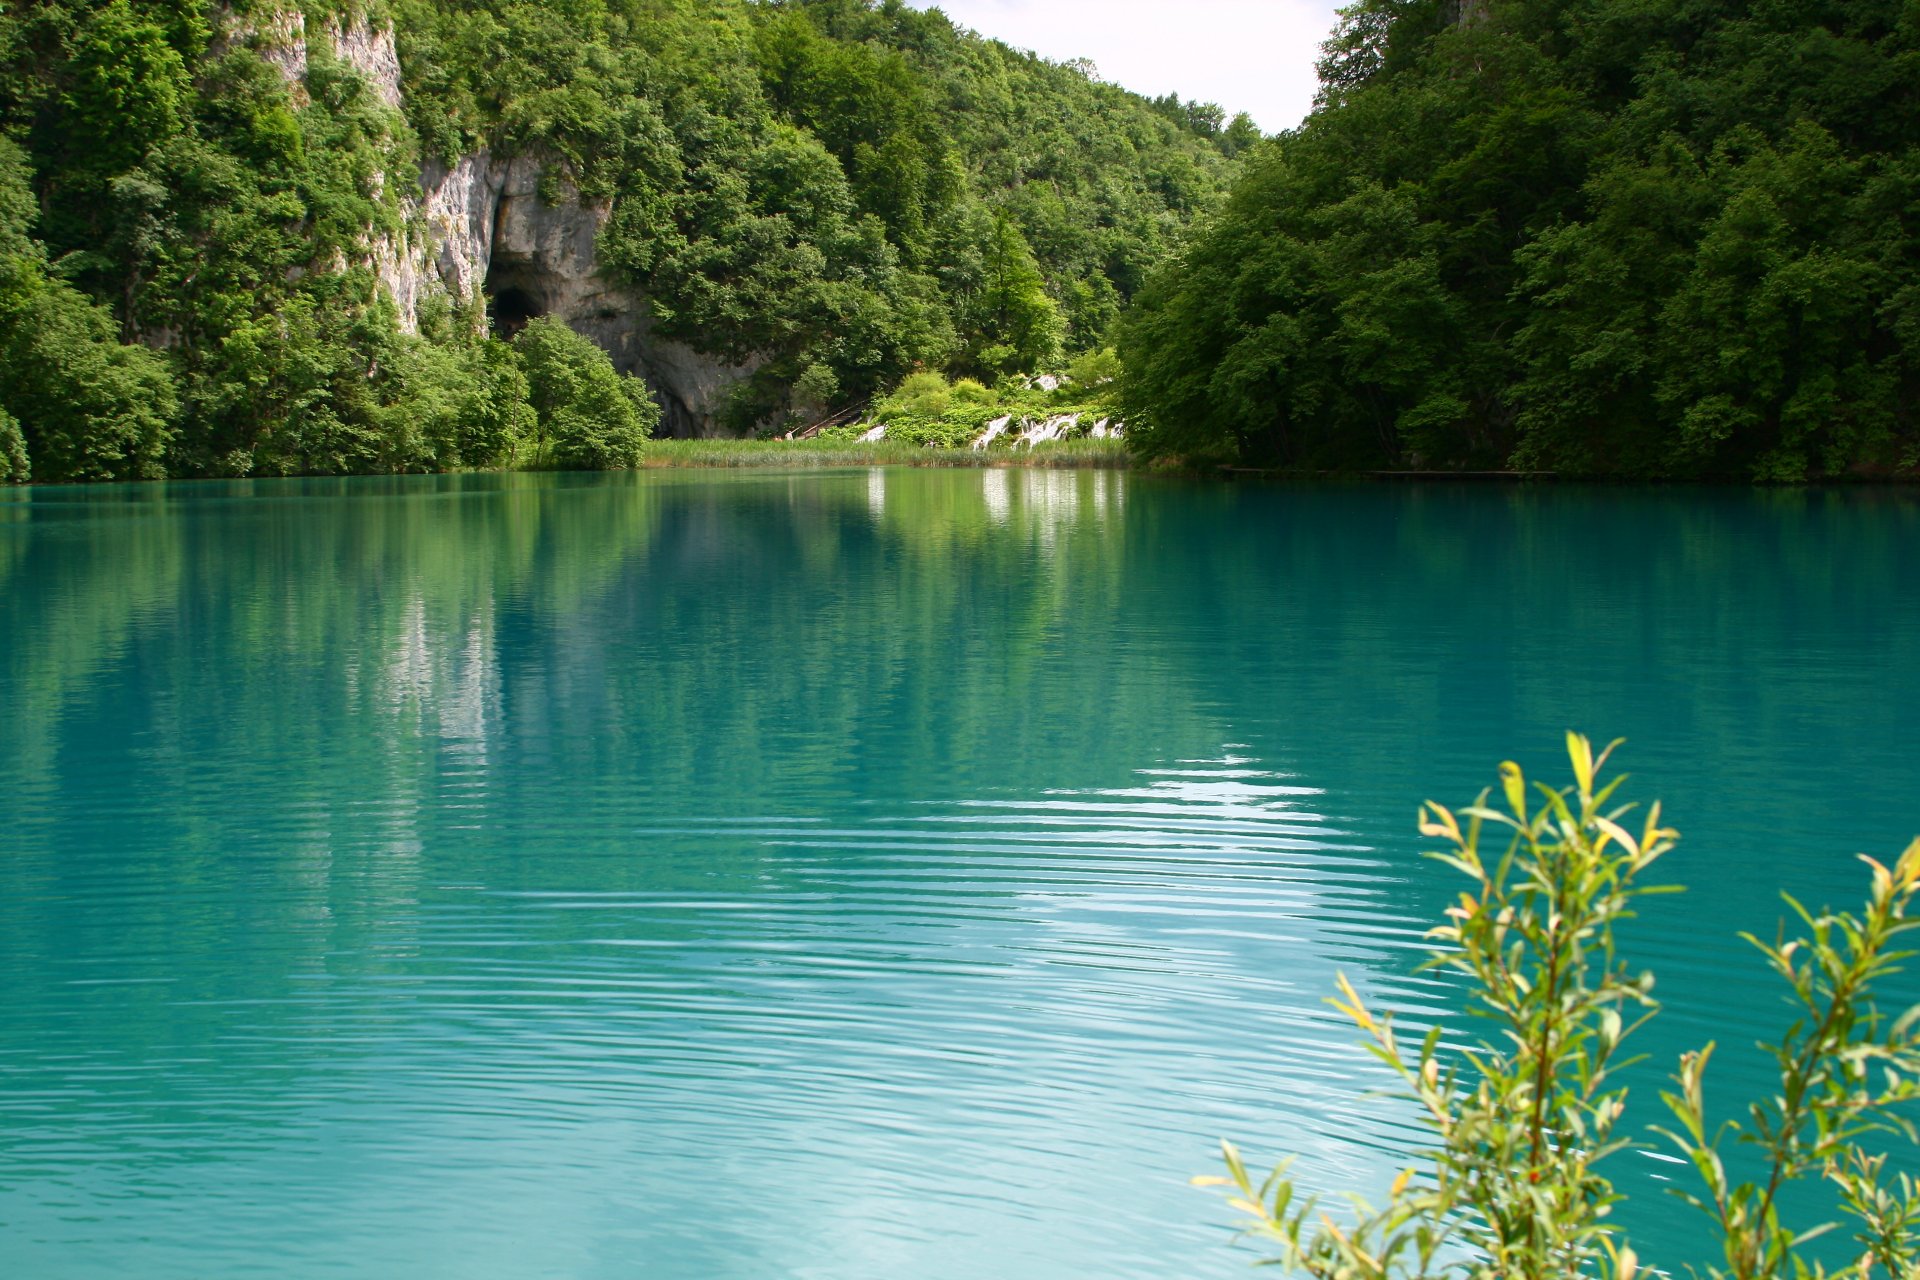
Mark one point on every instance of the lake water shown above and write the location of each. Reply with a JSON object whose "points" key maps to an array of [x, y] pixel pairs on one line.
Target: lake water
{"points": [[845, 875]]}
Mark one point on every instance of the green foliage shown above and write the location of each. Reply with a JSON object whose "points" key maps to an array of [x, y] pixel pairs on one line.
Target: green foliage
{"points": [[587, 416], [872, 111], [816, 386], [1096, 372], [89, 408], [127, 87], [1524, 1117], [835, 184], [461, 405], [971, 391], [1667, 238], [834, 191], [927, 411], [15, 466], [926, 395], [1844, 1068], [1016, 324], [76, 404]]}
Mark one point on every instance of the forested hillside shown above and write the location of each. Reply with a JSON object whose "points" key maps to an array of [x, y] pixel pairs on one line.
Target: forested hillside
{"points": [[1613, 237], [270, 239]]}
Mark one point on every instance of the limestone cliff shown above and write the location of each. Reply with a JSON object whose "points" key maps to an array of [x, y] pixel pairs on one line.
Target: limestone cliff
{"points": [[487, 231], [479, 231]]}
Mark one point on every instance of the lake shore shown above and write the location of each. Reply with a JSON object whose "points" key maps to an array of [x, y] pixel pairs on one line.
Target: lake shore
{"points": [[664, 454]]}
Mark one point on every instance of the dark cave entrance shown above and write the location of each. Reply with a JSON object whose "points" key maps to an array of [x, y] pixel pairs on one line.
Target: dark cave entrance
{"points": [[509, 308], [512, 308]]}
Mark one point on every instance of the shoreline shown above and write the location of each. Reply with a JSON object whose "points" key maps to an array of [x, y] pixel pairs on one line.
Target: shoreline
{"points": [[720, 454]]}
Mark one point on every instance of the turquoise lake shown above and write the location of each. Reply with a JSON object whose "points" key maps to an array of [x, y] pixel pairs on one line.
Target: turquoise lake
{"points": [[846, 875]]}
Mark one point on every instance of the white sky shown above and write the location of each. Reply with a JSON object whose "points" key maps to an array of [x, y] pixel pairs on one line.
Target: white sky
{"points": [[1255, 56]]}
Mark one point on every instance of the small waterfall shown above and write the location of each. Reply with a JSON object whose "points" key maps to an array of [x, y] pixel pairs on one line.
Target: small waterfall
{"points": [[993, 432], [1057, 428]]}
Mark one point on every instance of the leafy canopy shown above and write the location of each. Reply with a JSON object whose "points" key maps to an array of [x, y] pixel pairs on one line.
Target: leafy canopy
{"points": [[1657, 238]]}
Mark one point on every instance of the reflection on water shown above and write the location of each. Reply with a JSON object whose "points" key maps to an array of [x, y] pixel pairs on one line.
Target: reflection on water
{"points": [[845, 875]]}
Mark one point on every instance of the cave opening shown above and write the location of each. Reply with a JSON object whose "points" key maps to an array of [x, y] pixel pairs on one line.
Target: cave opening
{"points": [[509, 308], [516, 293]]}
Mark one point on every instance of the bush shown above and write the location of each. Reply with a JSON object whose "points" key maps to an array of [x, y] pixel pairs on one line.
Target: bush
{"points": [[89, 408], [969, 391], [14, 467], [922, 395], [586, 416], [817, 385], [460, 405], [1524, 1120], [1095, 369], [84, 407]]}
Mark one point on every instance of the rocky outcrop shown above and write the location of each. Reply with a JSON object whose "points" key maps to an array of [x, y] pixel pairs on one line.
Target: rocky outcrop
{"points": [[479, 231], [371, 52], [279, 38], [487, 231]]}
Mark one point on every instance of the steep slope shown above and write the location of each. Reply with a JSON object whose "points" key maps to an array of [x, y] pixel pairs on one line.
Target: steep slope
{"points": [[330, 220]]}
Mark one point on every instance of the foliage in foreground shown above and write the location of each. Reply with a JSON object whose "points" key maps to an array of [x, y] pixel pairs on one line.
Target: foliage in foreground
{"points": [[1525, 1118], [1604, 237]]}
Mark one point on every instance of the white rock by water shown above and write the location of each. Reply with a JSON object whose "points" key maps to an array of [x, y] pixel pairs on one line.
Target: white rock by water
{"points": [[994, 431], [480, 226]]}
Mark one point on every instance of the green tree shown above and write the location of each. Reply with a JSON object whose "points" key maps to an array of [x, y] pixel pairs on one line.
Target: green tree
{"points": [[588, 417], [1667, 238], [1017, 324], [128, 87], [81, 405], [15, 466], [805, 187], [457, 404]]}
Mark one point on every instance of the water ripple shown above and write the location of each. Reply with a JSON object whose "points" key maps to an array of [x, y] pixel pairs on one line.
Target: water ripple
{"points": [[851, 875]]}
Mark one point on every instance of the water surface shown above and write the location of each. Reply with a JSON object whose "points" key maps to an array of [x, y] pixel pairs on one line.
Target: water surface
{"points": [[846, 875]]}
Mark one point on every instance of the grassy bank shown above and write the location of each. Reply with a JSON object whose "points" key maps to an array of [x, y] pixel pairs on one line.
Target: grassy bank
{"points": [[880, 453]]}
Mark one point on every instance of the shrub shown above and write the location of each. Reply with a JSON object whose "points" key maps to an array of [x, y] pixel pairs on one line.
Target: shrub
{"points": [[90, 409], [14, 466], [461, 404], [84, 406], [816, 386], [587, 417], [1522, 1122], [1095, 369], [922, 395]]}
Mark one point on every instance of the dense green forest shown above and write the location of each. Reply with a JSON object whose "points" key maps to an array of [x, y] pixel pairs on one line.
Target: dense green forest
{"points": [[1603, 237], [831, 193]]}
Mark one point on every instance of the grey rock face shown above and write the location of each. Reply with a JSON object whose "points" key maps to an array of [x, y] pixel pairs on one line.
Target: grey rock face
{"points": [[279, 38], [479, 232], [370, 52], [488, 232]]}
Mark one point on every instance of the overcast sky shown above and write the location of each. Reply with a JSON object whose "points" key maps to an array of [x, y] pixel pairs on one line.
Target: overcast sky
{"points": [[1255, 56]]}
